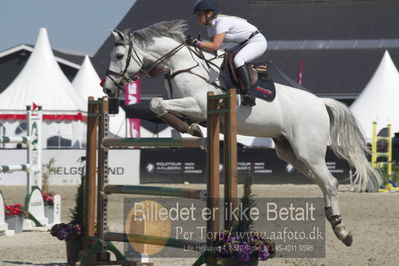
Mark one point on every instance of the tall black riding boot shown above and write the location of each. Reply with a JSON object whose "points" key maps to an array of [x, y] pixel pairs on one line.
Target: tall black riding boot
{"points": [[245, 83]]}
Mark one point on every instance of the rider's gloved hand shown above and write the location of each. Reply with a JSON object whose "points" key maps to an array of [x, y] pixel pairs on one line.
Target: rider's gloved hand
{"points": [[191, 41]]}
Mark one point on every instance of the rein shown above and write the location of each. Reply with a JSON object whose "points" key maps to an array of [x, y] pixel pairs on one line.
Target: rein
{"points": [[125, 78], [209, 63]]}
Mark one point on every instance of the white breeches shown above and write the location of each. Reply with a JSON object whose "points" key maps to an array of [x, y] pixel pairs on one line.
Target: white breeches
{"points": [[253, 49]]}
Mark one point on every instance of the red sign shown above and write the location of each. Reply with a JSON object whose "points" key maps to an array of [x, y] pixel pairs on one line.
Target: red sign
{"points": [[132, 96]]}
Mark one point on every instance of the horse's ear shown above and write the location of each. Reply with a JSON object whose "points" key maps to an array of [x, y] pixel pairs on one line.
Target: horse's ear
{"points": [[118, 35]]}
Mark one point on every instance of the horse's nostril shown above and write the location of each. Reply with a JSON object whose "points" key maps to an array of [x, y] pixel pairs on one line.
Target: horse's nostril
{"points": [[108, 92]]}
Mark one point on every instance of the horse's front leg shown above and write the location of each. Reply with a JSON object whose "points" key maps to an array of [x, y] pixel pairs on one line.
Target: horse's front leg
{"points": [[189, 107]]}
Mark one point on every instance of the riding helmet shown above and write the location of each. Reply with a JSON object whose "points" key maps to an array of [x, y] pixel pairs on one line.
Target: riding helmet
{"points": [[206, 5]]}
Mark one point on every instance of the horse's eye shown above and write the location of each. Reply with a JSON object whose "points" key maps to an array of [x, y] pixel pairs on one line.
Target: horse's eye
{"points": [[119, 56]]}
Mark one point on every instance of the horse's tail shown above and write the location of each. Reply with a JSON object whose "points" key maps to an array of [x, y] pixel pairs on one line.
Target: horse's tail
{"points": [[348, 142]]}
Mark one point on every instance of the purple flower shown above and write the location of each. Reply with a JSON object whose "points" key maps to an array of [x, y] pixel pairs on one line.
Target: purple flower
{"points": [[244, 256], [243, 247], [66, 231]]}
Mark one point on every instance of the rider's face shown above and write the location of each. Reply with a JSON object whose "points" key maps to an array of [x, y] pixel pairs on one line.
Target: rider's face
{"points": [[202, 18]]}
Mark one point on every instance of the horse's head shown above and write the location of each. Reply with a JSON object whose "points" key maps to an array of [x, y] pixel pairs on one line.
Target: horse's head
{"points": [[125, 66], [164, 39]]}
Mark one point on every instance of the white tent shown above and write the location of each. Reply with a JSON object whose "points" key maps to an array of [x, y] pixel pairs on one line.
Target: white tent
{"points": [[118, 123], [379, 99], [87, 81], [42, 82]]}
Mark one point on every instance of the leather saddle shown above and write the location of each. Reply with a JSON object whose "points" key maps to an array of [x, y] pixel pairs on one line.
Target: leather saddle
{"points": [[262, 83]]}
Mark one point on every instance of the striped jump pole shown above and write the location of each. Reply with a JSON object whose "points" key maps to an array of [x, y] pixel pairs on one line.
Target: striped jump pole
{"points": [[24, 140], [13, 168], [154, 142], [158, 191]]}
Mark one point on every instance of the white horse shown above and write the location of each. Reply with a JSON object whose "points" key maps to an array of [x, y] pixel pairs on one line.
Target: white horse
{"points": [[300, 123]]}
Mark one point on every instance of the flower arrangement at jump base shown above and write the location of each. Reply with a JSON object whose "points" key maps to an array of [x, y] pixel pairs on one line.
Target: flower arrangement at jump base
{"points": [[48, 198], [16, 209], [241, 245], [72, 232], [15, 216], [69, 231], [250, 247]]}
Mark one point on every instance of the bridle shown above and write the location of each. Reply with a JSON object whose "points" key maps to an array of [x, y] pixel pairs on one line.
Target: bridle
{"points": [[125, 78]]}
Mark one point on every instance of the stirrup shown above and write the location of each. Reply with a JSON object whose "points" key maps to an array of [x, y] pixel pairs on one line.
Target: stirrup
{"points": [[248, 100]]}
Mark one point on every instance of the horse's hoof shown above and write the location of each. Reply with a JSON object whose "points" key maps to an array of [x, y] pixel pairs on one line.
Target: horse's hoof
{"points": [[348, 240], [195, 131], [342, 234]]}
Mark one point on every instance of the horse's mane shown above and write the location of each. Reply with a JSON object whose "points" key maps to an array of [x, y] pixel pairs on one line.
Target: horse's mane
{"points": [[174, 29]]}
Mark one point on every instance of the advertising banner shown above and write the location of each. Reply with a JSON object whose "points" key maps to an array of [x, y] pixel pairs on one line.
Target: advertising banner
{"points": [[189, 165], [173, 165]]}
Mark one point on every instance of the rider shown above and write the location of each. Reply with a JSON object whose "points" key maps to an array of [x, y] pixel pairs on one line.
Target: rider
{"points": [[221, 28]]}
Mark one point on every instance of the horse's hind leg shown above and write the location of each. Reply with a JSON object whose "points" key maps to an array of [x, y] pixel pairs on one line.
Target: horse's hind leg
{"points": [[312, 155], [319, 168], [285, 152]]}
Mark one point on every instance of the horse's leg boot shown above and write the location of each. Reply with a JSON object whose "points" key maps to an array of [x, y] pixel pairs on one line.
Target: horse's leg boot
{"points": [[245, 84]]}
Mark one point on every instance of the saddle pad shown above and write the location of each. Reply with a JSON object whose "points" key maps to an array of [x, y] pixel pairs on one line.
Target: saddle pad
{"points": [[264, 89]]}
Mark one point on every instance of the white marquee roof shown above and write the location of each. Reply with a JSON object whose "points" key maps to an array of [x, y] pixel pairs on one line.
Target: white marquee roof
{"points": [[87, 81], [21, 47], [42, 81], [379, 101]]}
